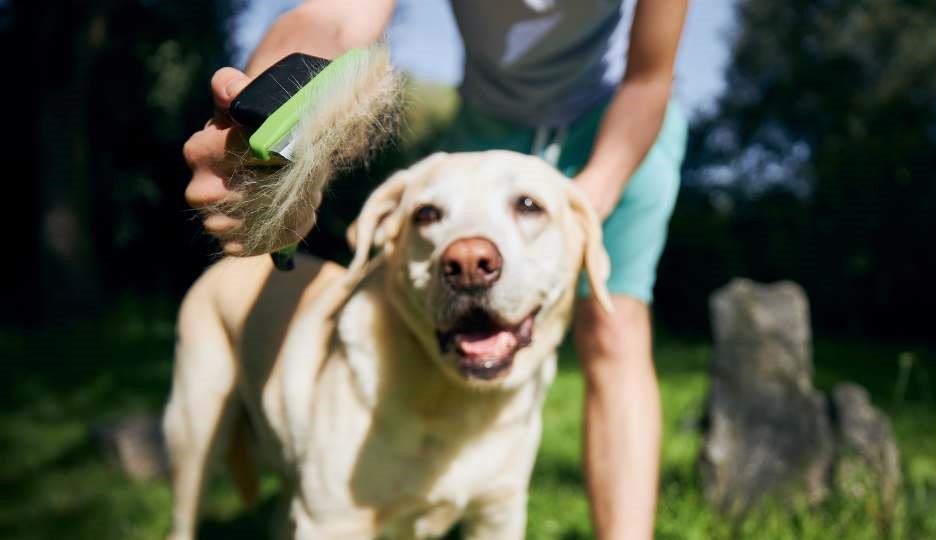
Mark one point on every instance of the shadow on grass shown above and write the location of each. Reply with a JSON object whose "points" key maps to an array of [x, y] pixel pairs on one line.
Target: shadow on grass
{"points": [[59, 384], [257, 522]]}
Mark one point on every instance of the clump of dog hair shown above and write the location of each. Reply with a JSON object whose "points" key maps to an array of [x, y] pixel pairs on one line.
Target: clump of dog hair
{"points": [[352, 115]]}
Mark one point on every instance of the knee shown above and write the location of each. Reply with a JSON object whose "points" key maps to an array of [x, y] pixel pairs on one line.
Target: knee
{"points": [[593, 332], [615, 339]]}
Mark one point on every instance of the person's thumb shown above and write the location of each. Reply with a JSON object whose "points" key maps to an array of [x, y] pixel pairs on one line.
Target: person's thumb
{"points": [[226, 83]]}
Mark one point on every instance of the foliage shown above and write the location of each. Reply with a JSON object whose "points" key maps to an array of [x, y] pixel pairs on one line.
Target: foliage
{"points": [[54, 483], [818, 162], [105, 94]]}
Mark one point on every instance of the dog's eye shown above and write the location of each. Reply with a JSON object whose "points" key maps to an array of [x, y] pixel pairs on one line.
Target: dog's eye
{"points": [[426, 214], [527, 205]]}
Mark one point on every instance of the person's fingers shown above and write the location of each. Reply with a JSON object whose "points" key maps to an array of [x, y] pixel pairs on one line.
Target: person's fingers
{"points": [[226, 83], [222, 148], [200, 147], [219, 224], [233, 248], [213, 154], [206, 188]]}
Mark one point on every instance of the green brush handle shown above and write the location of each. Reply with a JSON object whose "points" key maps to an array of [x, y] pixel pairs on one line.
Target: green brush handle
{"points": [[285, 259]]}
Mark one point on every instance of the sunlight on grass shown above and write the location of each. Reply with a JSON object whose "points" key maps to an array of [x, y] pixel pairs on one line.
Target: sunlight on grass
{"points": [[55, 483]]}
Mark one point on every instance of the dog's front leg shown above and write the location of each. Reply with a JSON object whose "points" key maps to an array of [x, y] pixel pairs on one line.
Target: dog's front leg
{"points": [[500, 515], [203, 382]]}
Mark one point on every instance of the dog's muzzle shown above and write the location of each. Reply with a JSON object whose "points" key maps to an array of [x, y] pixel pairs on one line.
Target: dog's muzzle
{"points": [[484, 346], [483, 343]]}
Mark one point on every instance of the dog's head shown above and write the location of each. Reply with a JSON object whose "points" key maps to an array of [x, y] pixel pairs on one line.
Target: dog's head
{"points": [[483, 252]]}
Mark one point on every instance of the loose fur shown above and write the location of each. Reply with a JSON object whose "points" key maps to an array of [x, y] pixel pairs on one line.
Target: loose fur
{"points": [[352, 115]]}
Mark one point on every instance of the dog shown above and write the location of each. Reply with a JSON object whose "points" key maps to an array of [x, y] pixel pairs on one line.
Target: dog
{"points": [[404, 394]]}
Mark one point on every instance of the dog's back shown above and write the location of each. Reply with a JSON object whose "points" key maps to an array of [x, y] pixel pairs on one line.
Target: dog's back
{"points": [[230, 331]]}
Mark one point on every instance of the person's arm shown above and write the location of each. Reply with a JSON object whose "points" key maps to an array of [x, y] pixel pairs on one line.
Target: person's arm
{"points": [[623, 423], [324, 28], [633, 119]]}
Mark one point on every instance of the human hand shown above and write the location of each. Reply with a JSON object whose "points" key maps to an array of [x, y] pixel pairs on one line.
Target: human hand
{"points": [[227, 184], [602, 192], [214, 154]]}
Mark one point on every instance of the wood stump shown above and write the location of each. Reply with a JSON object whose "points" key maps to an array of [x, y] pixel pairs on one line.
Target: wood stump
{"points": [[767, 430]]}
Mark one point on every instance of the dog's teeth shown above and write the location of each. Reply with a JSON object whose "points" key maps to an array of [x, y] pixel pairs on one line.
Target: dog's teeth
{"points": [[488, 364]]}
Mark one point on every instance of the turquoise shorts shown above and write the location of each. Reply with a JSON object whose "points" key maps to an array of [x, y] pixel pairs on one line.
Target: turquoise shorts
{"points": [[635, 232]]}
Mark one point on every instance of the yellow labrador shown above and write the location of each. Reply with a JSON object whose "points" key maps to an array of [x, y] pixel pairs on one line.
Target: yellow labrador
{"points": [[404, 394]]}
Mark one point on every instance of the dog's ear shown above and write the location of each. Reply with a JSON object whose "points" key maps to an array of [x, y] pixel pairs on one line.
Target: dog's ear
{"points": [[369, 230], [595, 258], [381, 218]]}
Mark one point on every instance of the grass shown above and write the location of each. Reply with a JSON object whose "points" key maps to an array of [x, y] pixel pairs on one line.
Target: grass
{"points": [[60, 383]]}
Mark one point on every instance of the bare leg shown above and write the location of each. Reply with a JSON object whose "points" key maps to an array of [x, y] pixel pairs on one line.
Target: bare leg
{"points": [[622, 416]]}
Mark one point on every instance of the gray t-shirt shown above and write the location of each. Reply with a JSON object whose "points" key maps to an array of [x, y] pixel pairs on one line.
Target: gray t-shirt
{"points": [[542, 62]]}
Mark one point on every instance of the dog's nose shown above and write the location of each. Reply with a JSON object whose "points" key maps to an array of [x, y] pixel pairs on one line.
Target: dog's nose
{"points": [[471, 263]]}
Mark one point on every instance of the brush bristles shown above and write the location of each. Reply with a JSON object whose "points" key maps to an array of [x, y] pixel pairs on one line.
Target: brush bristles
{"points": [[355, 112]]}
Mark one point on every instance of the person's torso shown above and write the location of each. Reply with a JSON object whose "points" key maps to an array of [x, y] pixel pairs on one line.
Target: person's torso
{"points": [[542, 62]]}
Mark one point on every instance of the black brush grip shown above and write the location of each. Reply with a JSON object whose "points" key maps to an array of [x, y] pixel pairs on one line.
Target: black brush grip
{"points": [[273, 87]]}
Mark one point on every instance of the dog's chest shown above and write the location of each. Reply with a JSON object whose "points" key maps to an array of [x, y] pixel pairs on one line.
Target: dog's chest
{"points": [[414, 475], [396, 444]]}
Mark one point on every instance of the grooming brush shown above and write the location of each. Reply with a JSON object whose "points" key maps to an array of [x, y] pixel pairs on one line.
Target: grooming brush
{"points": [[307, 117]]}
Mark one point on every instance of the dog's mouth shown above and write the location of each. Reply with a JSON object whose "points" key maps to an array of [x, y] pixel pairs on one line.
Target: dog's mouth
{"points": [[484, 346]]}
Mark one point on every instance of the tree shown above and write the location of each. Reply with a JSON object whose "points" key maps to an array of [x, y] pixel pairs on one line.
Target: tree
{"points": [[833, 102], [100, 97]]}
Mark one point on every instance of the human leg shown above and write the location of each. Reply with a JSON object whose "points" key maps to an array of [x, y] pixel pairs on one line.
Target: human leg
{"points": [[622, 424], [623, 419]]}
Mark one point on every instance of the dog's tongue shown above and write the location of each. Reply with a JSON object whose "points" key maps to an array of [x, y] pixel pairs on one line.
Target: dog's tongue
{"points": [[487, 346]]}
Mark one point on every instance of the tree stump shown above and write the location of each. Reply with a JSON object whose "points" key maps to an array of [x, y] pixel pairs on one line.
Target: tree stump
{"points": [[867, 461], [768, 431]]}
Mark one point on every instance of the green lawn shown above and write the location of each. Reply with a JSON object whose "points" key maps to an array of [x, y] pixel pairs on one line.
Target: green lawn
{"points": [[54, 484]]}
